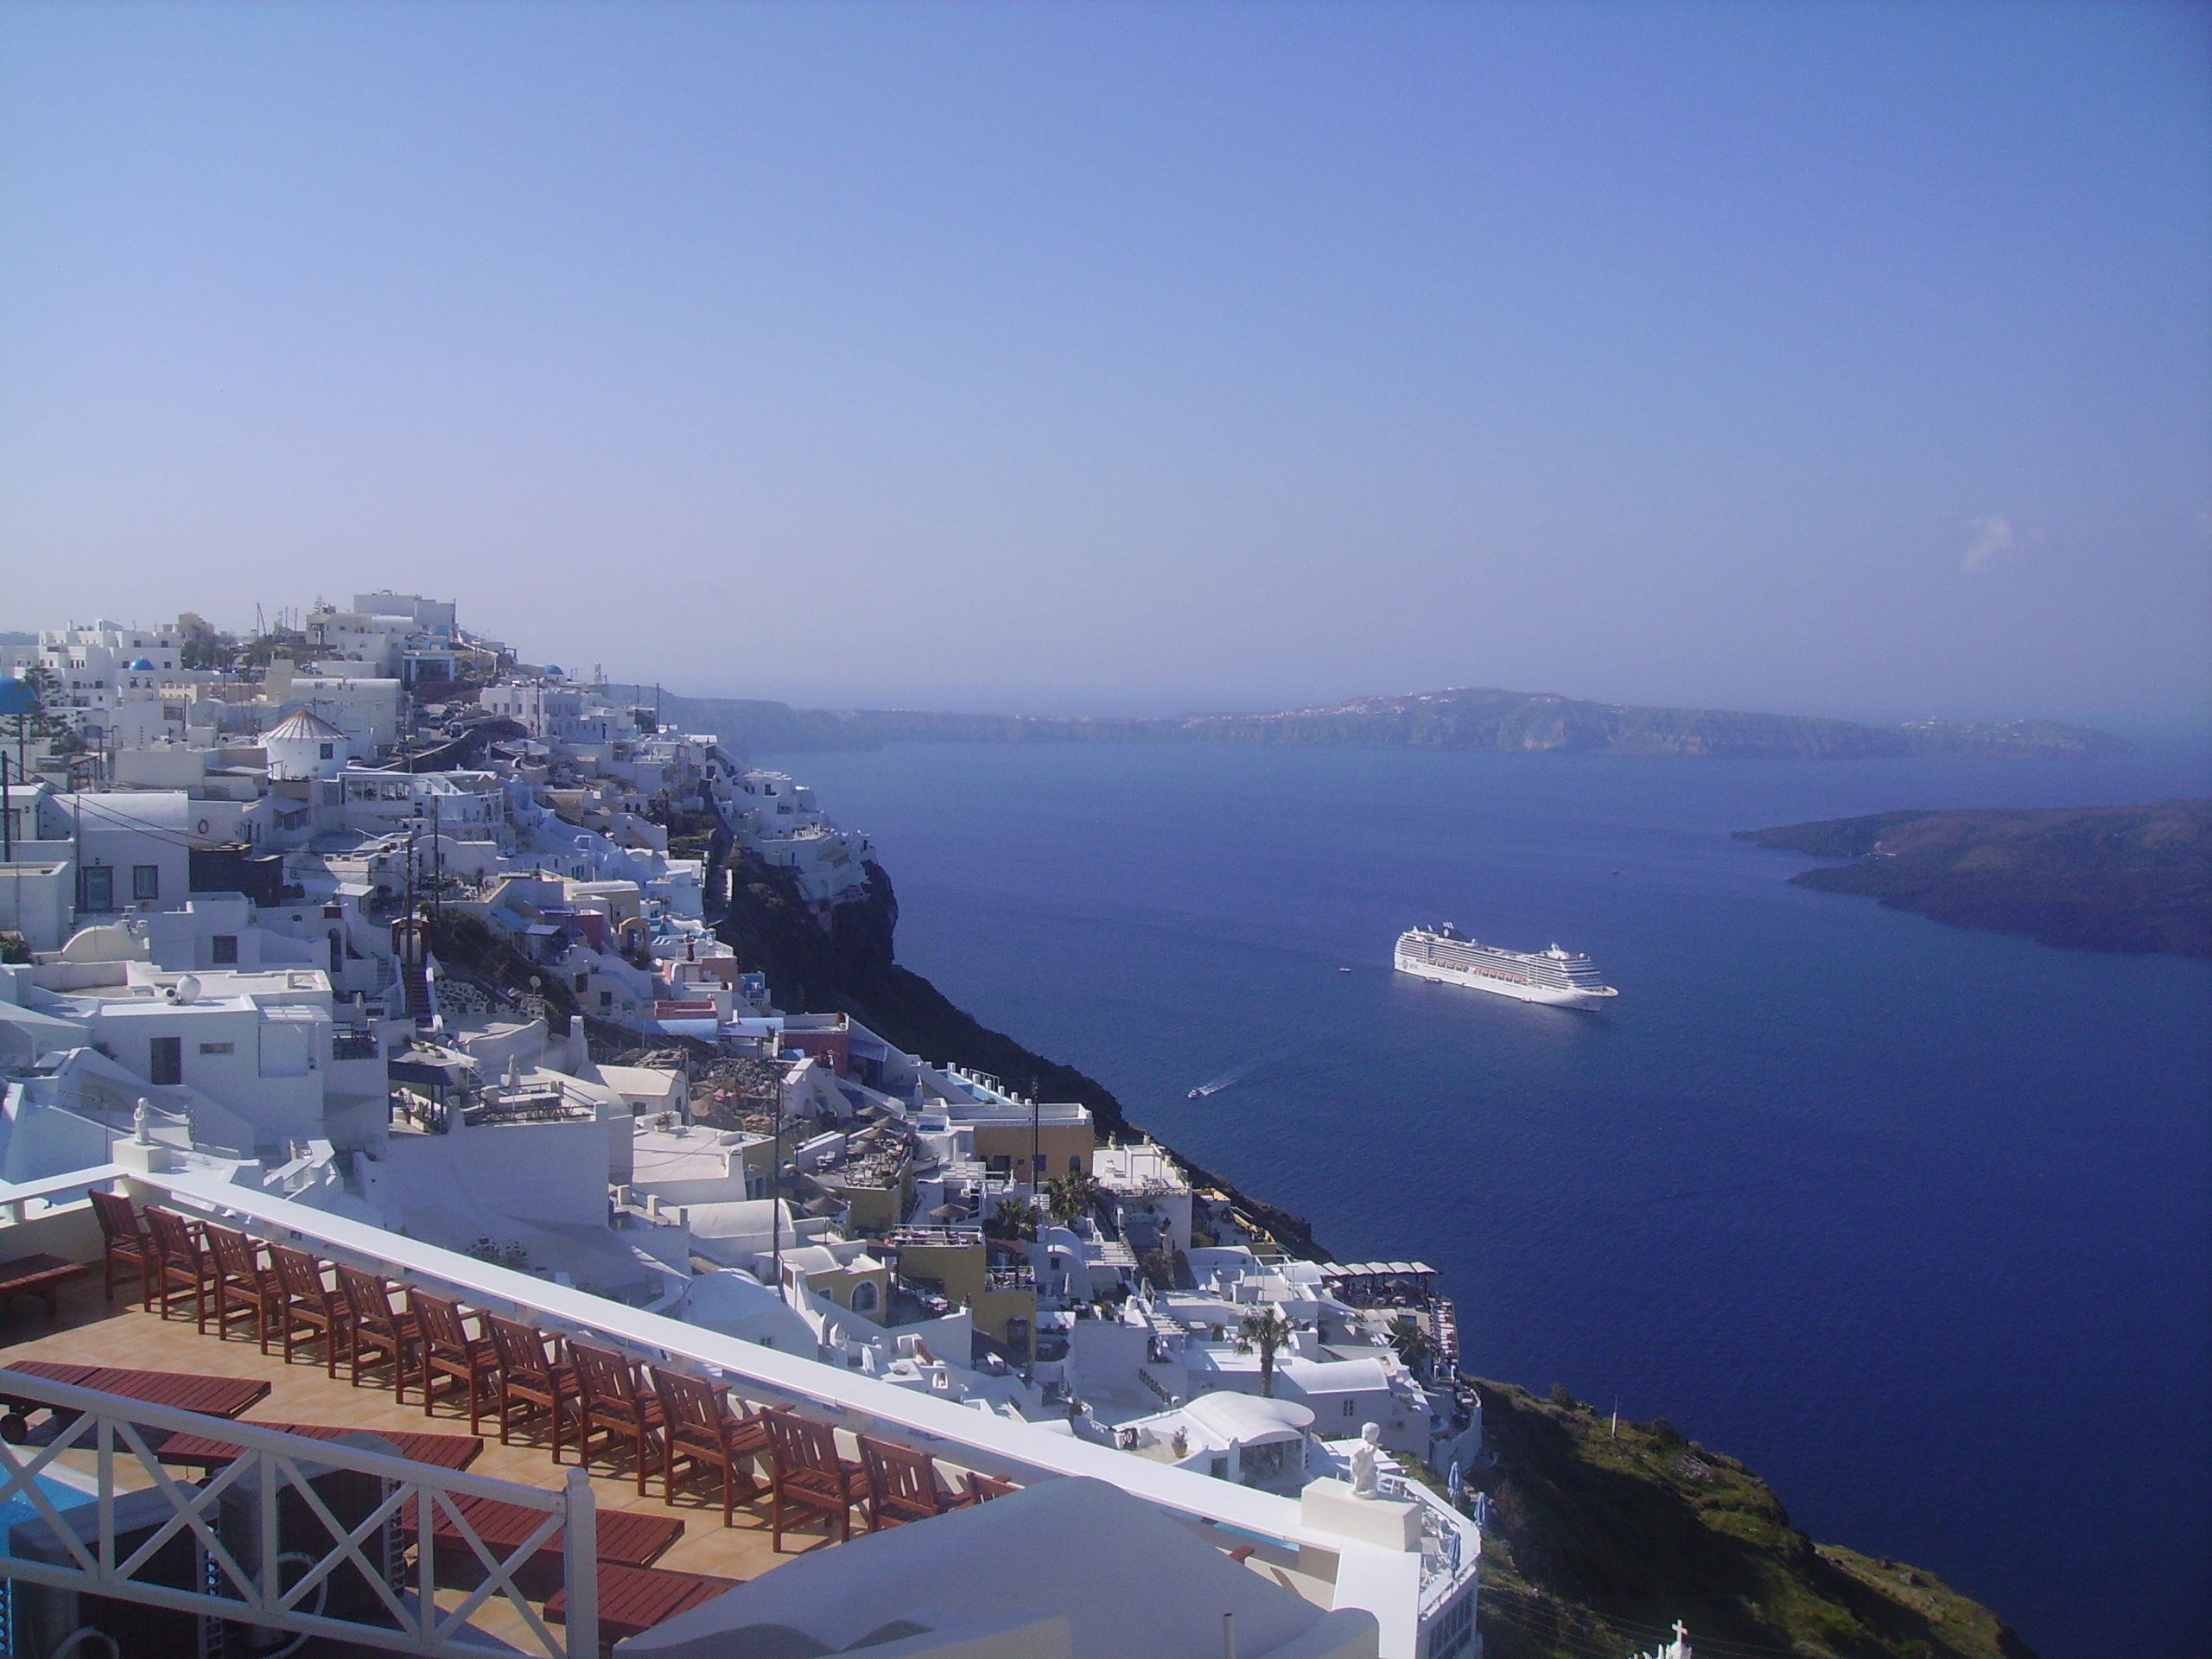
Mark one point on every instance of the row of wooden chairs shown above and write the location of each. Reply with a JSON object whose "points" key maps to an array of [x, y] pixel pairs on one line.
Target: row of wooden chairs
{"points": [[677, 1426]]}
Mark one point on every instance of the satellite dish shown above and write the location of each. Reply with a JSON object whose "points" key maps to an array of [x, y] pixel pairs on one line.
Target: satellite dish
{"points": [[187, 989]]}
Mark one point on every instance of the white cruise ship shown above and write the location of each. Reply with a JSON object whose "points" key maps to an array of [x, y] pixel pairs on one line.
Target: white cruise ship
{"points": [[1556, 976]]}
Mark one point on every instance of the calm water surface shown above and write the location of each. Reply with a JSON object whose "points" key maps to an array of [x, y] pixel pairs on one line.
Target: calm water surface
{"points": [[1912, 1219]]}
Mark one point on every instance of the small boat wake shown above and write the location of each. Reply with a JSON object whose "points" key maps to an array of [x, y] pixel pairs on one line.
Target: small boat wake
{"points": [[1237, 1074]]}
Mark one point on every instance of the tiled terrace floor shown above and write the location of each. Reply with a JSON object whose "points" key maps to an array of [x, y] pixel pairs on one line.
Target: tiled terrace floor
{"points": [[90, 1332]]}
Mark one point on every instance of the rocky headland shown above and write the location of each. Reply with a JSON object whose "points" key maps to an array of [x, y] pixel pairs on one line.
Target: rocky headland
{"points": [[1603, 1532], [1477, 719], [2134, 878]]}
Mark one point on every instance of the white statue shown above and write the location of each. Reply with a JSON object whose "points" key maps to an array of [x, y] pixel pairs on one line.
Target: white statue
{"points": [[1364, 1481], [142, 1123]]}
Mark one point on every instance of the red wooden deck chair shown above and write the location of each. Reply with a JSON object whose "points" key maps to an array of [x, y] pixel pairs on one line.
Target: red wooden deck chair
{"points": [[448, 1350], [530, 1380], [311, 1308], [126, 1241], [375, 1333], [615, 1403], [185, 1264], [902, 1485], [633, 1599], [703, 1433], [243, 1285], [807, 1473]]}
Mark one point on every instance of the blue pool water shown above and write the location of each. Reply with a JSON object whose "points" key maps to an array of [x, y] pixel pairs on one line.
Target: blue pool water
{"points": [[1911, 1219], [19, 1508]]}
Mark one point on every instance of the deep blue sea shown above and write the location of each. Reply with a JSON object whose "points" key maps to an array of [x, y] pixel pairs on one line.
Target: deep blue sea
{"points": [[1912, 1219]]}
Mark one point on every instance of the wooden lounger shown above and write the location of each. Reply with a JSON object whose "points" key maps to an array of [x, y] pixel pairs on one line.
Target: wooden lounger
{"points": [[211, 1396], [626, 1538], [39, 1276], [635, 1598], [205, 1452]]}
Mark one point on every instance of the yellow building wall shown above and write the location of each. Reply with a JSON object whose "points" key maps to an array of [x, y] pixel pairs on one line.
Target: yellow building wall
{"points": [[1056, 1143]]}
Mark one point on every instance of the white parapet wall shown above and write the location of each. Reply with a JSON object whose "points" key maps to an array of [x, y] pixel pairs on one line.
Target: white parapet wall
{"points": [[1395, 1585]]}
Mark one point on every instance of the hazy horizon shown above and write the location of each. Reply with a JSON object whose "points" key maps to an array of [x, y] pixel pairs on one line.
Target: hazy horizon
{"points": [[1138, 359]]}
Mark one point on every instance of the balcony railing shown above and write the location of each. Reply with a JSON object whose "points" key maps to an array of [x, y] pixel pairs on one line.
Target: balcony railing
{"points": [[349, 1044], [282, 1539], [760, 1375]]}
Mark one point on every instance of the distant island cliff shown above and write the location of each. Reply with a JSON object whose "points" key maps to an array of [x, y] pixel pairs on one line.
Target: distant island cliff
{"points": [[1478, 719], [2135, 879]]}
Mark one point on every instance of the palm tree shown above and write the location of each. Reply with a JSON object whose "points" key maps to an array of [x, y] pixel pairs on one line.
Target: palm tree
{"points": [[1265, 1330], [1413, 1344], [1071, 1196], [1018, 1217]]}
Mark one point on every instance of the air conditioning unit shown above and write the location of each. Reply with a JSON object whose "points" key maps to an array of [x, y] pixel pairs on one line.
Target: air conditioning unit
{"points": [[46, 1620]]}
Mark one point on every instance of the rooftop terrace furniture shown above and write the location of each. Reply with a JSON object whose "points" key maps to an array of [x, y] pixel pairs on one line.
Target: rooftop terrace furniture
{"points": [[703, 1432], [625, 1537], [183, 1263], [126, 1241], [903, 1486], [310, 1308], [531, 1381], [211, 1396], [448, 1350], [39, 1276], [375, 1332], [982, 1488], [613, 1401], [207, 1452], [808, 1474], [633, 1599], [243, 1285]]}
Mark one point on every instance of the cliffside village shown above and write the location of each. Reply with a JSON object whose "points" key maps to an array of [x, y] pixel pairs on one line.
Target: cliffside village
{"points": [[363, 932]]}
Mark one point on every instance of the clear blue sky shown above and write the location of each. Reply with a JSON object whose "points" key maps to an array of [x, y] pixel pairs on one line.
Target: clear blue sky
{"points": [[1850, 358]]}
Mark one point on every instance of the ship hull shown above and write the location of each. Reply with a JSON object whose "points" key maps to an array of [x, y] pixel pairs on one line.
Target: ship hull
{"points": [[1547, 996]]}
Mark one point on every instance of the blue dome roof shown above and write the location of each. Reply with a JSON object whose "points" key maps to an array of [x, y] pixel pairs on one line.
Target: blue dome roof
{"points": [[138, 665], [18, 696]]}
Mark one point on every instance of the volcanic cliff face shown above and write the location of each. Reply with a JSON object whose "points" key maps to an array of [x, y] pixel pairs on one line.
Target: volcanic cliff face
{"points": [[847, 963]]}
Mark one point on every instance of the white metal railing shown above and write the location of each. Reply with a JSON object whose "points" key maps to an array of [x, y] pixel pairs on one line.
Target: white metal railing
{"points": [[271, 1550], [1451, 1546]]}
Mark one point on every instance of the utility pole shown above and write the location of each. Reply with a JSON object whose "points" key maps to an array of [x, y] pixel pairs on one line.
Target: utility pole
{"points": [[776, 1201], [7, 815], [437, 861], [1036, 1146]]}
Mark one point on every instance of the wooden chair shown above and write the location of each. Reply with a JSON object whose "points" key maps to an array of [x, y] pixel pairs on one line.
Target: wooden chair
{"points": [[310, 1308], [126, 1240], [982, 1488], [704, 1432], [243, 1285], [807, 1472], [185, 1264], [530, 1380], [375, 1333], [449, 1351], [903, 1484], [614, 1403]]}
